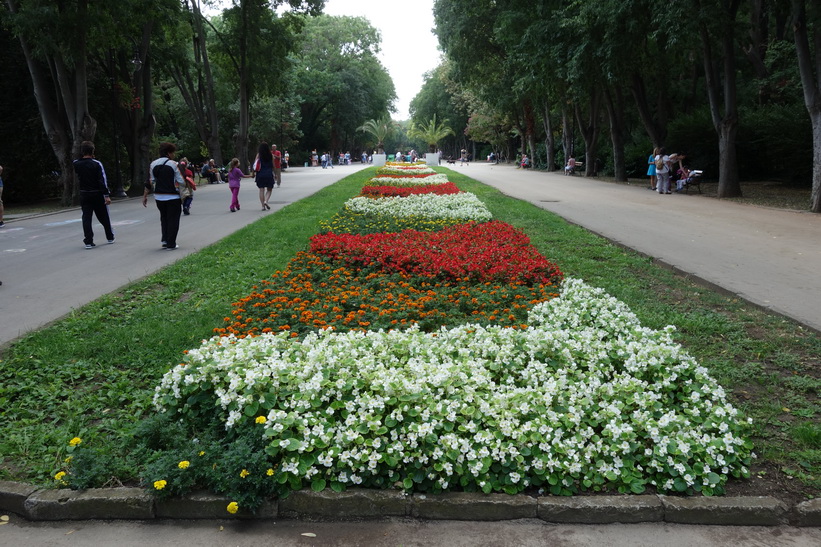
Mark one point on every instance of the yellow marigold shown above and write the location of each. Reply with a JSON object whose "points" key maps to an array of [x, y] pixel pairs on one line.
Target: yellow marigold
{"points": [[201, 453], [75, 441], [244, 473], [159, 485], [233, 507], [261, 419], [270, 472], [59, 476], [183, 464]]}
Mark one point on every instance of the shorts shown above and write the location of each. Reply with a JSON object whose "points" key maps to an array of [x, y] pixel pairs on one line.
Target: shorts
{"points": [[265, 181]]}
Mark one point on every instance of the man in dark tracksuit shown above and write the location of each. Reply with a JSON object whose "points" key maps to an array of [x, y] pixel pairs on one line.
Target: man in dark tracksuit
{"points": [[94, 195]]}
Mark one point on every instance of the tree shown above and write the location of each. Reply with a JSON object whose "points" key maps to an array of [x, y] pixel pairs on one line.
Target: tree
{"points": [[340, 80], [430, 132], [811, 83], [381, 130], [54, 40]]}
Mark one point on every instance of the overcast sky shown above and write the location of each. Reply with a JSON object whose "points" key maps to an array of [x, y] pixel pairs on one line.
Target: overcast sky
{"points": [[409, 47]]}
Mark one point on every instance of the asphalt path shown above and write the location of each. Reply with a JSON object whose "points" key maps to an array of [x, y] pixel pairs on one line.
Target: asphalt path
{"points": [[769, 257], [47, 272]]}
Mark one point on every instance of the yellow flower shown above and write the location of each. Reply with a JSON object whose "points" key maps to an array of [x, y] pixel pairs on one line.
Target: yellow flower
{"points": [[233, 507], [261, 419], [59, 476], [270, 472], [67, 460], [244, 473], [183, 464], [201, 453], [159, 485], [75, 441]]}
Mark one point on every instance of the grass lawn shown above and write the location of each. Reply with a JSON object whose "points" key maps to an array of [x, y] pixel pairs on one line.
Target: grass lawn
{"points": [[92, 374]]}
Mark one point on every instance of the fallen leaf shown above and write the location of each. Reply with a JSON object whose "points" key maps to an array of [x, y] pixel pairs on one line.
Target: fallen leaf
{"points": [[785, 409], [69, 532], [309, 534], [4, 522], [221, 528], [4, 518]]}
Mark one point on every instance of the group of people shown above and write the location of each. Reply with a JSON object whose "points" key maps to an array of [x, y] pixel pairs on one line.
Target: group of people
{"points": [[173, 186], [660, 170]]}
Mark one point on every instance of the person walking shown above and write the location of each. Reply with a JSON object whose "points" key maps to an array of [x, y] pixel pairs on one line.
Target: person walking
{"points": [[235, 176], [277, 165], [165, 180], [264, 167], [188, 188], [94, 195]]}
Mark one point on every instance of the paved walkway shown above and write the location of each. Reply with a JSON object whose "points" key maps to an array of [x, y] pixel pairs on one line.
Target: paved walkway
{"points": [[770, 257], [47, 272]]}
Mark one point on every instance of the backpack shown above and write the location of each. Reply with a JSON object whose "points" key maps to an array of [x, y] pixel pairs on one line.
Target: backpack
{"points": [[660, 162], [164, 176]]}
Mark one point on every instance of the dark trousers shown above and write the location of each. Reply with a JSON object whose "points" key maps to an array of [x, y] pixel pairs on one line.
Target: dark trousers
{"points": [[93, 203], [170, 212]]}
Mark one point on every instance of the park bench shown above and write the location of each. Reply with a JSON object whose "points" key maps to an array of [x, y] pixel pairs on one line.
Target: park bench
{"points": [[695, 180]]}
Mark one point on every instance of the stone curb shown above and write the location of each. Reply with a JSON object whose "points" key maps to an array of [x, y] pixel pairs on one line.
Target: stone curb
{"points": [[356, 504]]}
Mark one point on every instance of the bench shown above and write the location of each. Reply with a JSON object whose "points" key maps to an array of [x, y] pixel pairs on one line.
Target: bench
{"points": [[694, 180], [579, 166]]}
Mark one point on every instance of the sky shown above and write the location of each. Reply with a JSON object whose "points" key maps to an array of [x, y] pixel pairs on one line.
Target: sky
{"points": [[409, 47]]}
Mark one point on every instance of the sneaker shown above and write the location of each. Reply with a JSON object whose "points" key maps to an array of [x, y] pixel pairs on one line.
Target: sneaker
{"points": [[110, 241], [185, 211], [90, 245], [172, 247], [2, 223]]}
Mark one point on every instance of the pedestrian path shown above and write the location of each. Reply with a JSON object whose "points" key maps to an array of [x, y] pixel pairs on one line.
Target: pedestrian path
{"points": [[47, 272], [769, 257]]}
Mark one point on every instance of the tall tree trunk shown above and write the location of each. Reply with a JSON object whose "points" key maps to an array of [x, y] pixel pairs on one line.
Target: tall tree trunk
{"points": [[568, 133], [590, 132], [811, 84], [656, 127], [549, 140], [205, 89], [64, 112], [615, 115], [726, 125], [241, 138]]}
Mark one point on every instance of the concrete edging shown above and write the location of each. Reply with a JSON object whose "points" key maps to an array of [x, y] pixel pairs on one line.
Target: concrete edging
{"points": [[356, 504]]}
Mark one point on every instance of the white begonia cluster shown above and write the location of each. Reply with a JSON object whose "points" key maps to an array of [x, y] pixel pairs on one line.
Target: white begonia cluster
{"points": [[438, 178], [585, 395], [405, 170], [464, 205]]}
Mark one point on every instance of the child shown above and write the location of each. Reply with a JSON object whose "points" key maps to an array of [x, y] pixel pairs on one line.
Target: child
{"points": [[187, 191], [235, 175]]}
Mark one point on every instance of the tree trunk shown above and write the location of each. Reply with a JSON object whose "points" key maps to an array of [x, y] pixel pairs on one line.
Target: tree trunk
{"points": [[241, 138], [656, 129], [211, 138], [549, 140], [614, 113], [590, 132], [568, 135], [726, 125], [812, 93]]}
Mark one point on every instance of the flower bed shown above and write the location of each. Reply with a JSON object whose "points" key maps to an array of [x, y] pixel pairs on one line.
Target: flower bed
{"points": [[410, 180], [405, 191], [492, 251], [405, 170], [448, 360], [314, 293], [575, 401], [463, 206]]}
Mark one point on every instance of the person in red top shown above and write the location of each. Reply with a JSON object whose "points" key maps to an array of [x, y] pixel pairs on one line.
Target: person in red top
{"points": [[277, 165]]}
